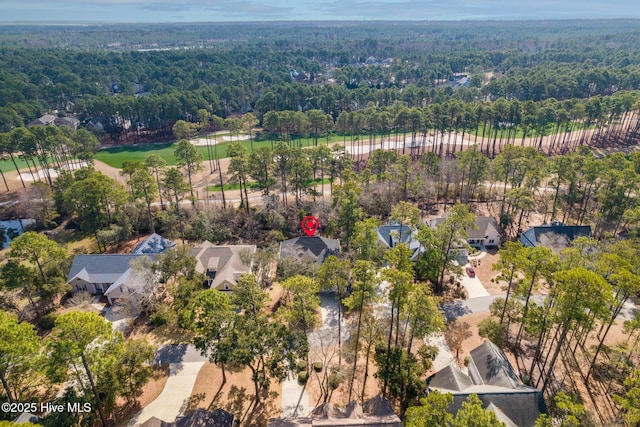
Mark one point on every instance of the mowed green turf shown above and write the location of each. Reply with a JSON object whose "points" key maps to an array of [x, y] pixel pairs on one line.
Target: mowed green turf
{"points": [[116, 155], [7, 165]]}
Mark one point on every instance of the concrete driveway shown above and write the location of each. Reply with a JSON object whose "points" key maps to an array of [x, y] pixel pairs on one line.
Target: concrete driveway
{"points": [[295, 399], [184, 364], [327, 333], [473, 285]]}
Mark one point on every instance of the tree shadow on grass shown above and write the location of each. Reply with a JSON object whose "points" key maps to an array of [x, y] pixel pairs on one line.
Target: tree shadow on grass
{"points": [[259, 414], [242, 404], [236, 401], [194, 401]]}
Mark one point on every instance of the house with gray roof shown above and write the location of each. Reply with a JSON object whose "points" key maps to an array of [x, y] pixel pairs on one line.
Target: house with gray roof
{"points": [[110, 275], [71, 122], [494, 380], [391, 234], [555, 236], [223, 265], [46, 119], [313, 249], [153, 244], [486, 233]]}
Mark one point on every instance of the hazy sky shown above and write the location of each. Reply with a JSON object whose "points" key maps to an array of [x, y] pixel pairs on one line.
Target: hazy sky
{"points": [[270, 10]]}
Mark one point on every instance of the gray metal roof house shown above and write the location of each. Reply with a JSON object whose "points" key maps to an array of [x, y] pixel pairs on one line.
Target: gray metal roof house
{"points": [[108, 274], [111, 274], [390, 235], [495, 382]]}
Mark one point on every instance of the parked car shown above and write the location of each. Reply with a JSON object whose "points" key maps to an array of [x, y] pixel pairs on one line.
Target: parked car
{"points": [[470, 272]]}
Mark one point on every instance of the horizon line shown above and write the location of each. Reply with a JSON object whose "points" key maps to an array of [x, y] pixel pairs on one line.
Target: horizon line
{"points": [[351, 21]]}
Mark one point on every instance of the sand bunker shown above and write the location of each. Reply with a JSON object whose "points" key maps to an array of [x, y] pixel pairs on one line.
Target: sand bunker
{"points": [[204, 141], [42, 174], [236, 138]]}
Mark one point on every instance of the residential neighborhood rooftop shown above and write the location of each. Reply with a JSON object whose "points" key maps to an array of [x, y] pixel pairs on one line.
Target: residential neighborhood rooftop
{"points": [[494, 380], [314, 248], [555, 236], [223, 265]]}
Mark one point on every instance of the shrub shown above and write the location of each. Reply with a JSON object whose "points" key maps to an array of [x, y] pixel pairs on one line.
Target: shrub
{"points": [[47, 321], [158, 319], [317, 366], [334, 380], [302, 366], [492, 330], [162, 317], [303, 377]]}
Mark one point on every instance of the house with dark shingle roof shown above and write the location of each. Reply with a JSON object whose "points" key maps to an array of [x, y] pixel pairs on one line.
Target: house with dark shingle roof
{"points": [[222, 265], [312, 249], [555, 236], [494, 380], [450, 378]]}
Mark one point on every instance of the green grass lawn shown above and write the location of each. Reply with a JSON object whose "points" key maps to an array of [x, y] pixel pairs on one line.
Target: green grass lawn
{"points": [[233, 186], [6, 165], [116, 155]]}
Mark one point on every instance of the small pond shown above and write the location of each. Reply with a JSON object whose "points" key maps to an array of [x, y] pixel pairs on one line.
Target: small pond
{"points": [[12, 228]]}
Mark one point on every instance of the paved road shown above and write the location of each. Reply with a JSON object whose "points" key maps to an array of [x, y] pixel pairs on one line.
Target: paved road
{"points": [[457, 309], [444, 357], [184, 364]]}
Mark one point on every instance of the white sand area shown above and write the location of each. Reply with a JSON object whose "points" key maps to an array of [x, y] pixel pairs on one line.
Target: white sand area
{"points": [[236, 138], [53, 173], [204, 141]]}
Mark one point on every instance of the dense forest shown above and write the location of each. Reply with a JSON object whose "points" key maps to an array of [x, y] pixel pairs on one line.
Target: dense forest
{"points": [[135, 84]]}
